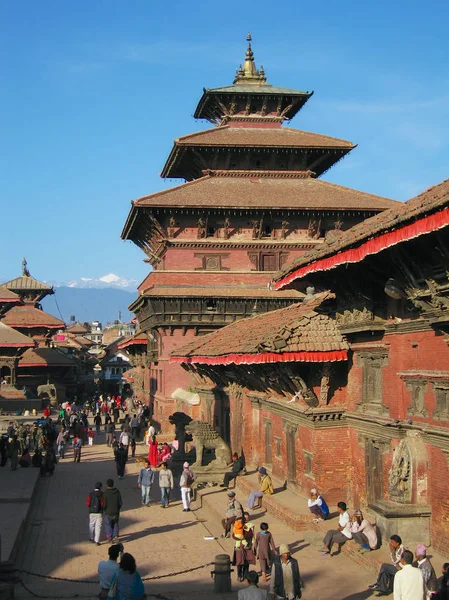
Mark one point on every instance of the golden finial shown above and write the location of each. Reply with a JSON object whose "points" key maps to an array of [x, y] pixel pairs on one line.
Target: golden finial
{"points": [[249, 73]]}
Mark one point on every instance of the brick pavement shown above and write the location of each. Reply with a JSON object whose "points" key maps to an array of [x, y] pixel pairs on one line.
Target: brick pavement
{"points": [[162, 541]]}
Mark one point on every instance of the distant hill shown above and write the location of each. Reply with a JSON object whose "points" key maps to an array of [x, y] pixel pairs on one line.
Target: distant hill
{"points": [[90, 304]]}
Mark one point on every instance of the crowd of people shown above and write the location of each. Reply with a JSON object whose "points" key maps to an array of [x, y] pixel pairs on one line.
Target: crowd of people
{"points": [[408, 575]]}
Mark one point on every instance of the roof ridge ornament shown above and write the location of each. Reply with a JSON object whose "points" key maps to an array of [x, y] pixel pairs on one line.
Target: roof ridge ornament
{"points": [[25, 270], [248, 73]]}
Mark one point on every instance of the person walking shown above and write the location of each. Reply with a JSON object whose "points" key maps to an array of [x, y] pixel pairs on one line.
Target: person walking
{"points": [[165, 484], [90, 436], [426, 568], [152, 452], [111, 510], [185, 483], [286, 582], [233, 511], [121, 458], [77, 445], [145, 481], [265, 550], [109, 429], [61, 442], [97, 421], [124, 439], [95, 504]]}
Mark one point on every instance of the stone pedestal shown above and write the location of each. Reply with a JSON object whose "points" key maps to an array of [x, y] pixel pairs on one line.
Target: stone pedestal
{"points": [[410, 521]]}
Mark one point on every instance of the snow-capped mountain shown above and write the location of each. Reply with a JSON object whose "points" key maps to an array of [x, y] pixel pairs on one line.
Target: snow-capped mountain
{"points": [[106, 281]]}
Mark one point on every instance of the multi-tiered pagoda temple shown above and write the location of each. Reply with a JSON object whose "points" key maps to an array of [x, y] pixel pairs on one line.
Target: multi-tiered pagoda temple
{"points": [[252, 200]]}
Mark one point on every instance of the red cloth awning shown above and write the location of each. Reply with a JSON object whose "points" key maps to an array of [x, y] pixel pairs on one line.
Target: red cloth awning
{"points": [[267, 357], [373, 246]]}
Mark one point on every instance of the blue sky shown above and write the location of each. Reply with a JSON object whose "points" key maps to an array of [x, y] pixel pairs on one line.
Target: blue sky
{"points": [[93, 93]]}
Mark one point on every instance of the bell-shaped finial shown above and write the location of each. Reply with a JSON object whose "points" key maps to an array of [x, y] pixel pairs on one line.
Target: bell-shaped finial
{"points": [[249, 73]]}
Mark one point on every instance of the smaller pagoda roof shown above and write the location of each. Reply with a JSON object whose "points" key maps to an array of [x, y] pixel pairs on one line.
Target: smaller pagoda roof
{"points": [[11, 338], [78, 328], [45, 357], [138, 339], [423, 214], [271, 137], [7, 296], [30, 317], [297, 333]]}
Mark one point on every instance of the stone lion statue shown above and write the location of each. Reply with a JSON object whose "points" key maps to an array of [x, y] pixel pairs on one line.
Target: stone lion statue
{"points": [[205, 436]]}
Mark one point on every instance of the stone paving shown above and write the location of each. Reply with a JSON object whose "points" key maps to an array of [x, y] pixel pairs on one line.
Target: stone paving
{"points": [[162, 540]]}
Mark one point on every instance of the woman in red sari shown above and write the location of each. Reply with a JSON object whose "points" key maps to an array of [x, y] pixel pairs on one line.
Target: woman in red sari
{"points": [[152, 452]]}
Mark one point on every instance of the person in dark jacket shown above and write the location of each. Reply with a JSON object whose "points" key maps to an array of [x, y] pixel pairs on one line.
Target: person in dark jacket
{"points": [[285, 576], [109, 429], [237, 466], [121, 458], [95, 504], [112, 505]]}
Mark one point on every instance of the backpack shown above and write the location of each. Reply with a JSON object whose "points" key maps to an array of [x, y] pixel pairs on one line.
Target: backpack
{"points": [[95, 504]]}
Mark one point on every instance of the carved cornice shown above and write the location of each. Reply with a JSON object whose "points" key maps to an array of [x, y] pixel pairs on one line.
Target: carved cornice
{"points": [[300, 415], [213, 244]]}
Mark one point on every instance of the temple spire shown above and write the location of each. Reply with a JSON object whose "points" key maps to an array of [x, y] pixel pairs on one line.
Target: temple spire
{"points": [[249, 73], [25, 271]]}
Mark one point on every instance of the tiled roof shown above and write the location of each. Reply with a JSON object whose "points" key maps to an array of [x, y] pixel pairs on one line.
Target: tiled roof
{"points": [[139, 339], [259, 190], [263, 89], [214, 291], [297, 329], [10, 337], [43, 357], [26, 283], [28, 316], [8, 296], [261, 136], [77, 328], [432, 200]]}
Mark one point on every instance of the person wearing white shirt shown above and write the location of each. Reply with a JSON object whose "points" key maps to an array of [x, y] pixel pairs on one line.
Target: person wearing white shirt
{"points": [[408, 582], [108, 568], [387, 572], [342, 534]]}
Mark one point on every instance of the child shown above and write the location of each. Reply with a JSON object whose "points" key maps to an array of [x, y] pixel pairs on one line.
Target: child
{"points": [[239, 534], [90, 435], [265, 550], [133, 447]]}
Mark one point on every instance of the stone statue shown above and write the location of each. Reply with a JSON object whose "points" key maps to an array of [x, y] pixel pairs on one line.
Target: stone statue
{"points": [[180, 420], [201, 228], [226, 227], [399, 480], [284, 226], [205, 436], [171, 226]]}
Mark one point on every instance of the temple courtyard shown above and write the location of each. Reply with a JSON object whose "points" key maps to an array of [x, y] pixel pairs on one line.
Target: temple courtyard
{"points": [[55, 542]]}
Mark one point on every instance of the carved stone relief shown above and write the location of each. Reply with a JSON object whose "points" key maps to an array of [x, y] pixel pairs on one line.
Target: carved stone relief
{"points": [[418, 389], [399, 475], [441, 391], [372, 363]]}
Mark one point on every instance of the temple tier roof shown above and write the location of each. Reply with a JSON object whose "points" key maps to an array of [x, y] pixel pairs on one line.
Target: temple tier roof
{"points": [[426, 212], [10, 338], [7, 296], [297, 332], [27, 287], [30, 317], [45, 357], [183, 161], [255, 190], [250, 84]]}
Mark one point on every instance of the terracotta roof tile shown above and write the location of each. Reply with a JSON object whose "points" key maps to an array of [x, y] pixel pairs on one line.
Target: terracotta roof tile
{"points": [[430, 201], [261, 136], [9, 337], [219, 292], [42, 357], [239, 191], [78, 328], [28, 316], [8, 296], [297, 328], [26, 283]]}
